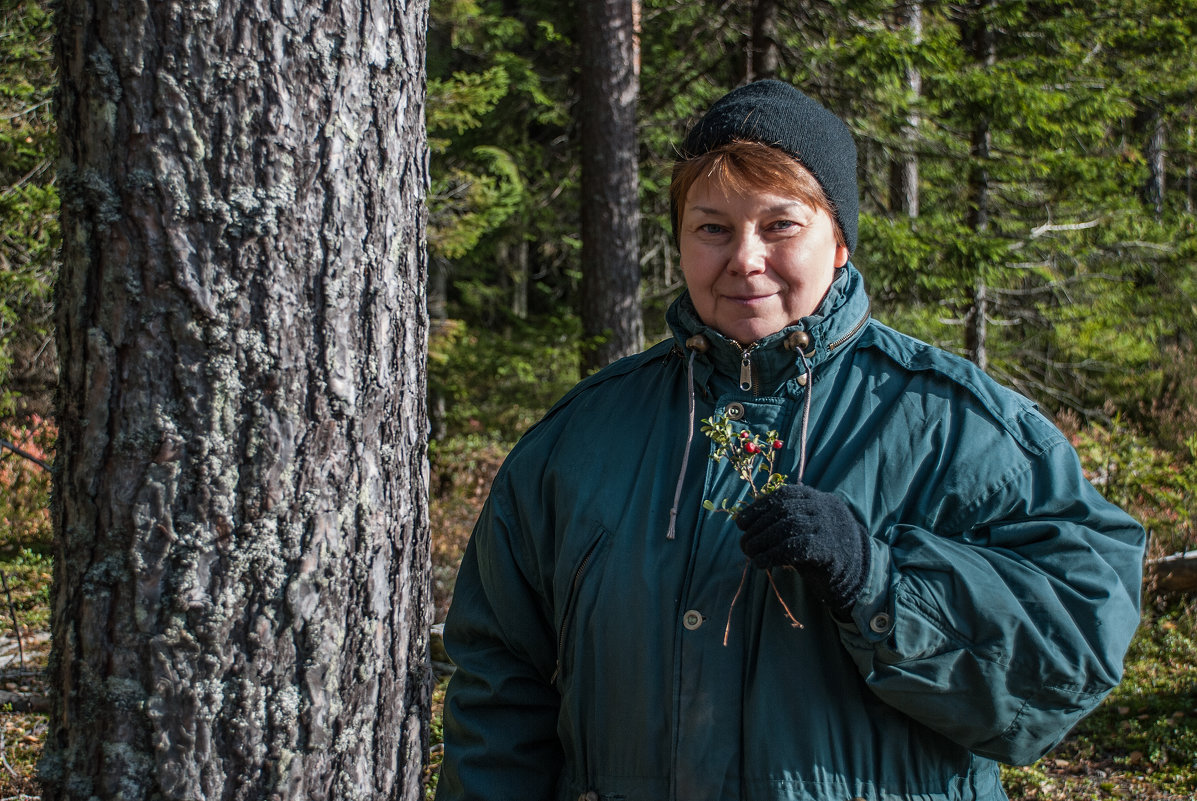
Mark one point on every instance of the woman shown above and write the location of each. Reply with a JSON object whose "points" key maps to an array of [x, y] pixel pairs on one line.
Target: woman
{"points": [[964, 595]]}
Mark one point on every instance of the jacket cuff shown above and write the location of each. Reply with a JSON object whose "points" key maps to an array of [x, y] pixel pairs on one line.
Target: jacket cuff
{"points": [[870, 619]]}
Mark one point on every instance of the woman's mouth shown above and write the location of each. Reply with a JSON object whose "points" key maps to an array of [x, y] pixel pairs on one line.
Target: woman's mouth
{"points": [[749, 299]]}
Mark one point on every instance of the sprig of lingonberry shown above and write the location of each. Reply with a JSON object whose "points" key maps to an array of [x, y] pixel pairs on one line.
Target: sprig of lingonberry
{"points": [[749, 454]]}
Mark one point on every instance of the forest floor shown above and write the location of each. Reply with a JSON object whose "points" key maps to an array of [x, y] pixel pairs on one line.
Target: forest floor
{"points": [[1141, 743], [24, 647]]}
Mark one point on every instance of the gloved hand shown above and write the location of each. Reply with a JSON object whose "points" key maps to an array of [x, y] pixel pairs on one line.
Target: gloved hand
{"points": [[815, 533]]}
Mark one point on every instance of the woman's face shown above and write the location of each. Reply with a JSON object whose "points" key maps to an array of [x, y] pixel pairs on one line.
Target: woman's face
{"points": [[755, 263]]}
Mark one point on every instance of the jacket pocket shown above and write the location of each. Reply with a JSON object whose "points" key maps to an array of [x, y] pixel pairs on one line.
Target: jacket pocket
{"points": [[582, 569]]}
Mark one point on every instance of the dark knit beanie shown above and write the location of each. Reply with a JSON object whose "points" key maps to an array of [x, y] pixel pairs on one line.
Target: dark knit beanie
{"points": [[776, 114]]}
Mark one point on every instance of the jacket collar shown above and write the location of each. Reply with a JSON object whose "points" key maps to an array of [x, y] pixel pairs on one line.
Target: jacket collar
{"points": [[775, 359]]}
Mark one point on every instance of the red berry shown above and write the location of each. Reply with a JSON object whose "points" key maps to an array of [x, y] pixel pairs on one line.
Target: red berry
{"points": [[776, 444], [751, 448], [745, 434]]}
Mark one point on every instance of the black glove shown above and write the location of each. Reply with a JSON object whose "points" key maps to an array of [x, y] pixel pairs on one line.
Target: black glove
{"points": [[815, 533]]}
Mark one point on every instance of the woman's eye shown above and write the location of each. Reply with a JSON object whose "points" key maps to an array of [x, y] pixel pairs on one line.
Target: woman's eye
{"points": [[710, 228], [782, 225]]}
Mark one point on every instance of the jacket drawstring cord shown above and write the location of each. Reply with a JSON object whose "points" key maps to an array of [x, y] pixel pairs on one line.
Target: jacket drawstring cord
{"points": [[681, 476], [805, 416]]}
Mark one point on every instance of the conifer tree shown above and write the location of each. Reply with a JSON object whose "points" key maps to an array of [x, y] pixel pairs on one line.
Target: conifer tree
{"points": [[240, 603], [610, 202]]}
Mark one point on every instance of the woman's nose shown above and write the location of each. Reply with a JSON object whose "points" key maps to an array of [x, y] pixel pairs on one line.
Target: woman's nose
{"points": [[748, 257]]}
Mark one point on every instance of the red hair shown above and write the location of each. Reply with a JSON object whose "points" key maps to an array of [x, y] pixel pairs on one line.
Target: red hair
{"points": [[744, 167]]}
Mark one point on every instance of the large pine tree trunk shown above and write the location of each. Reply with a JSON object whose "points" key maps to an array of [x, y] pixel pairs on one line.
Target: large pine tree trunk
{"points": [[610, 303], [240, 600]]}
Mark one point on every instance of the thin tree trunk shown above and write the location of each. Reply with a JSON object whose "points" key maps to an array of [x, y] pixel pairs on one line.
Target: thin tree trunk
{"points": [[975, 326], [984, 54], [1189, 169], [240, 597], [521, 280], [610, 293], [438, 288], [763, 53], [1156, 152], [904, 169], [512, 255]]}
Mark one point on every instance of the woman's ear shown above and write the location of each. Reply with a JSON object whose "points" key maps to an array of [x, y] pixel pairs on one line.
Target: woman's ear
{"points": [[841, 256]]}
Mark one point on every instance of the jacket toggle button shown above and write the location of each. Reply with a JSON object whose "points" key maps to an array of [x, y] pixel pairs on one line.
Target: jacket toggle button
{"points": [[880, 623], [589, 795], [735, 410], [692, 619], [800, 340]]}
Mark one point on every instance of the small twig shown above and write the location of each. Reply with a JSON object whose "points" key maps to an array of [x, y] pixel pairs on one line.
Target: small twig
{"points": [[14, 673], [776, 592], [24, 111], [16, 627], [736, 597], [4, 755], [26, 454]]}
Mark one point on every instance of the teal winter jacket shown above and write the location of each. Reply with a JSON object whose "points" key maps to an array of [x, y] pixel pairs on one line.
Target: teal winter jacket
{"points": [[591, 611]]}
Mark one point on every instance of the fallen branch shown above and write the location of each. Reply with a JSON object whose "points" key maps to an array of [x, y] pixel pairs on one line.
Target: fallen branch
{"points": [[25, 702], [1176, 573], [16, 626], [4, 755], [25, 454], [1039, 231]]}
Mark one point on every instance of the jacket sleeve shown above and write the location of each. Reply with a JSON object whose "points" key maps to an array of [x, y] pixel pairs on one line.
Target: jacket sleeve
{"points": [[500, 722], [1009, 624]]}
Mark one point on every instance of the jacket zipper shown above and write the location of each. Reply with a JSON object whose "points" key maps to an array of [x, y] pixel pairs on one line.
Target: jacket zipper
{"points": [[851, 332], [747, 382], [569, 603]]}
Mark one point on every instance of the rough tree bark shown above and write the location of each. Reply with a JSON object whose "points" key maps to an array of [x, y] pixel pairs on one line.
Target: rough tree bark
{"points": [[610, 298], [240, 597]]}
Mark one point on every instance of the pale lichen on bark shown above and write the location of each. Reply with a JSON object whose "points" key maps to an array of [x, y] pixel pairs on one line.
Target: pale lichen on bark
{"points": [[240, 600]]}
